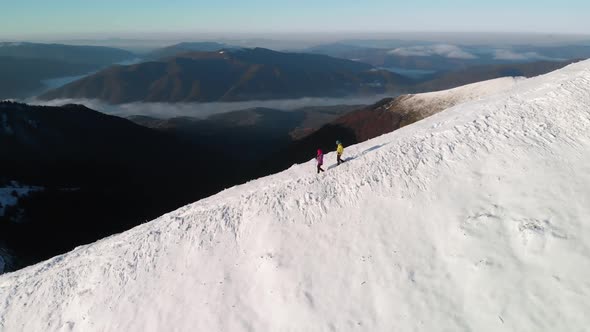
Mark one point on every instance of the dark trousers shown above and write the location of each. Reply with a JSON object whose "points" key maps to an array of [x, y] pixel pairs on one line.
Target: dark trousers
{"points": [[339, 159], [320, 168]]}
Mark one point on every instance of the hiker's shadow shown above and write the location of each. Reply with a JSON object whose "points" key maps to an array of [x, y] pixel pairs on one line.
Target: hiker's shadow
{"points": [[376, 147], [373, 148]]}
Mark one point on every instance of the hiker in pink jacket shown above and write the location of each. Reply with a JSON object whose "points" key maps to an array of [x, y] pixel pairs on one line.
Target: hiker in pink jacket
{"points": [[320, 160]]}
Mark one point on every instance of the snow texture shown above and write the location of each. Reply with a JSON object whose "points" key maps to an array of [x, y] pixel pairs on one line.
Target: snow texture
{"points": [[427, 104], [474, 219]]}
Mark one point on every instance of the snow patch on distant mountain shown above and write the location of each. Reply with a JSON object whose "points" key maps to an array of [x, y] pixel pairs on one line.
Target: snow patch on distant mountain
{"points": [[10, 194], [6, 260], [474, 219]]}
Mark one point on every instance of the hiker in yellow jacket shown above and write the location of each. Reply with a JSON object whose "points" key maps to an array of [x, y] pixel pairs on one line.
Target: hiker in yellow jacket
{"points": [[339, 152]]}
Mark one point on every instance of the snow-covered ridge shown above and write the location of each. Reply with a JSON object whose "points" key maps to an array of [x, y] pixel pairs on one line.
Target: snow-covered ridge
{"points": [[475, 219], [427, 104]]}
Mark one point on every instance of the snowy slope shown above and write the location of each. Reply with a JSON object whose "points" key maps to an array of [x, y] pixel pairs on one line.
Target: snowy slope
{"points": [[475, 219], [427, 104]]}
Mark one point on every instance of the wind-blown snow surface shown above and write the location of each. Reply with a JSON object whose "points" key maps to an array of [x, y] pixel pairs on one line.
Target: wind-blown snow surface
{"points": [[475, 219], [429, 103]]}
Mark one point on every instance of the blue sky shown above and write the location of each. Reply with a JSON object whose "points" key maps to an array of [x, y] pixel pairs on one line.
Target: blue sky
{"points": [[110, 18]]}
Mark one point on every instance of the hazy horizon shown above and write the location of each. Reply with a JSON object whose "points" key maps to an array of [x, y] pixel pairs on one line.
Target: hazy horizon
{"points": [[327, 19], [295, 41]]}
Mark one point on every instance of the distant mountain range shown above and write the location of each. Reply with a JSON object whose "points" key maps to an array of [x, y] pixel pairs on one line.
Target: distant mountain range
{"points": [[445, 57], [185, 48], [23, 66], [197, 71], [22, 77], [261, 74], [90, 55], [233, 75]]}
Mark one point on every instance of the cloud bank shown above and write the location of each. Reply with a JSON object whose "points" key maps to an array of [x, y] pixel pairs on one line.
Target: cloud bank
{"points": [[203, 110], [444, 50], [509, 55]]}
